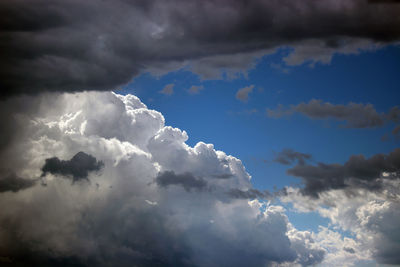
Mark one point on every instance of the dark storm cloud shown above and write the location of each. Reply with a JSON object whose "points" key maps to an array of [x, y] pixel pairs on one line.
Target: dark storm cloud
{"points": [[384, 1], [78, 167], [187, 180], [70, 45], [10, 182], [349, 250], [356, 172], [289, 156], [355, 115], [250, 194]]}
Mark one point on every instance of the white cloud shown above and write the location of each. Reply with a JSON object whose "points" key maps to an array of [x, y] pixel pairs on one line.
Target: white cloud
{"points": [[372, 218], [122, 216]]}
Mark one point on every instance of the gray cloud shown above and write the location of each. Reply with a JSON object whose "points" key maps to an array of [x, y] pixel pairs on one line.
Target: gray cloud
{"points": [[253, 193], [289, 156], [396, 131], [187, 180], [12, 182], [394, 114], [250, 194], [223, 176], [195, 89], [99, 45], [356, 172], [243, 93], [78, 167], [355, 115], [168, 89], [349, 250]]}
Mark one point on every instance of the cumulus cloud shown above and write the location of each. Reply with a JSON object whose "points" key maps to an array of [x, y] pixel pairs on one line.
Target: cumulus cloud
{"points": [[371, 219], [73, 46], [243, 93], [355, 115], [356, 172], [78, 166], [148, 206]]}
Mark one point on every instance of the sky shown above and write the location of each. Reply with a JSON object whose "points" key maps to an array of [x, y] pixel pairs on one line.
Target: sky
{"points": [[200, 133]]}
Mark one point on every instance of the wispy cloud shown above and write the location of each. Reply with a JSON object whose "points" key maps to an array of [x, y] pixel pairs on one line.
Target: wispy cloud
{"points": [[195, 89], [354, 114], [243, 93], [168, 89]]}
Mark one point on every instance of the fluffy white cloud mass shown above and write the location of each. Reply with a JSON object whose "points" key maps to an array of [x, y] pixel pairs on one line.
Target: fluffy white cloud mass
{"points": [[97, 179], [369, 220]]}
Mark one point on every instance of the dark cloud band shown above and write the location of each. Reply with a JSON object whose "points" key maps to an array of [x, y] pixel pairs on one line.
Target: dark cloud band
{"points": [[355, 115], [13, 183], [187, 180], [356, 172], [70, 45]]}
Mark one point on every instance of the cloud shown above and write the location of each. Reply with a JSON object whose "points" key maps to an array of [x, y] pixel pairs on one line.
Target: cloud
{"points": [[223, 176], [303, 241], [144, 199], [356, 172], [355, 115], [394, 114], [312, 52], [289, 156], [97, 45], [78, 166], [396, 131], [243, 93], [250, 194], [369, 218], [11, 182], [349, 250], [168, 89], [195, 89], [186, 180]]}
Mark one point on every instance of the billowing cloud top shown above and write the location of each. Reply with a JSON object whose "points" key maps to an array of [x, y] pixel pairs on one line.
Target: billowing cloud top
{"points": [[70, 45], [155, 202]]}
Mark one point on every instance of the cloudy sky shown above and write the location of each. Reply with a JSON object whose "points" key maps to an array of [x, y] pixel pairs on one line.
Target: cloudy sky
{"points": [[200, 133]]}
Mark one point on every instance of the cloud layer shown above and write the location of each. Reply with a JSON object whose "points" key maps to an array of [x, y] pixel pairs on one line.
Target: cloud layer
{"points": [[73, 46], [355, 115], [357, 172], [156, 201]]}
